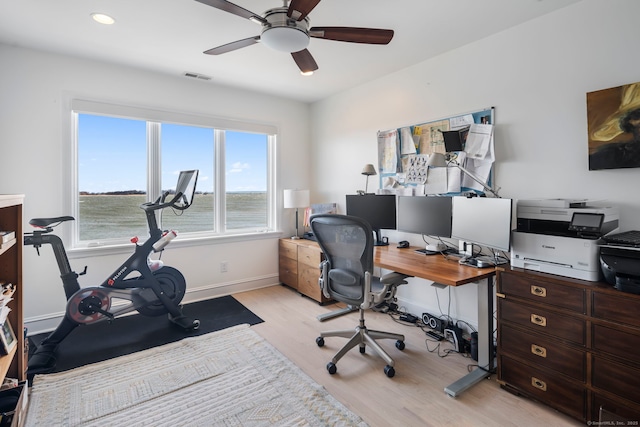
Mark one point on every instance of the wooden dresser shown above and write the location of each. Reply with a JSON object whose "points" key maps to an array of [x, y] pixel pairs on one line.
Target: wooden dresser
{"points": [[299, 266], [571, 344]]}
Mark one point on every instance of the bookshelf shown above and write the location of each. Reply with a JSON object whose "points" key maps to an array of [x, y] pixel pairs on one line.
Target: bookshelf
{"points": [[14, 364]]}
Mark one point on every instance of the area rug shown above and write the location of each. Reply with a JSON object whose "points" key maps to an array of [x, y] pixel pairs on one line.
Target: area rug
{"points": [[231, 377]]}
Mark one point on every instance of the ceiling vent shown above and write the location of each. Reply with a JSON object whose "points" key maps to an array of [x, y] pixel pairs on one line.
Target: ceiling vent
{"points": [[197, 76]]}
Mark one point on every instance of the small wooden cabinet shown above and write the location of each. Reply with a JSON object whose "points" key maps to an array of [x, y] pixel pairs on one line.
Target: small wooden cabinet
{"points": [[570, 344], [299, 266], [14, 364]]}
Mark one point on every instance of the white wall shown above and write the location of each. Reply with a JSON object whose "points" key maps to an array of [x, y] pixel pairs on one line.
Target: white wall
{"points": [[536, 75], [32, 85]]}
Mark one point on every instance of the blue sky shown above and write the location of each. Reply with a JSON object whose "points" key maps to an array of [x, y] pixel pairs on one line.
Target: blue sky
{"points": [[112, 156]]}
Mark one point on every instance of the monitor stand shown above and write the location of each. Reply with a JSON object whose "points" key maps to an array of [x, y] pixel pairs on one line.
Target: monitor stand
{"points": [[379, 240]]}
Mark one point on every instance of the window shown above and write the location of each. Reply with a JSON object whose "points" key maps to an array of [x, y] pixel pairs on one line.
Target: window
{"points": [[126, 156]]}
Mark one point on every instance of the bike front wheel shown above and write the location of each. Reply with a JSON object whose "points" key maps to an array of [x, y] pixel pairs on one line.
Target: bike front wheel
{"points": [[173, 285]]}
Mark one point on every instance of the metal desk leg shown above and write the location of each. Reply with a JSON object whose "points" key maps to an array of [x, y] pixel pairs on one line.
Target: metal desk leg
{"points": [[486, 359]]}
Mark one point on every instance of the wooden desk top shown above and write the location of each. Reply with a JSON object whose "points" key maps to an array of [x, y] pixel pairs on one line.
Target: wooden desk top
{"points": [[431, 267]]}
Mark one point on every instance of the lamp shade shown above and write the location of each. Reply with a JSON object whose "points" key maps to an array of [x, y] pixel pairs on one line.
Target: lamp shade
{"points": [[369, 170], [437, 160], [296, 198]]}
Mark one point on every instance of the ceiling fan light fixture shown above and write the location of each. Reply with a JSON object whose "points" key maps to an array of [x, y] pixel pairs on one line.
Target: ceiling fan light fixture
{"points": [[285, 39], [102, 18]]}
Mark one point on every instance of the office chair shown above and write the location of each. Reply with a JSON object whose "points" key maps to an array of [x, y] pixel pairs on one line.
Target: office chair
{"points": [[347, 276]]}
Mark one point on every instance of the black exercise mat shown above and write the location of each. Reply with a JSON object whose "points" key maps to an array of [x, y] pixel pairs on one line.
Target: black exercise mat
{"points": [[125, 335]]}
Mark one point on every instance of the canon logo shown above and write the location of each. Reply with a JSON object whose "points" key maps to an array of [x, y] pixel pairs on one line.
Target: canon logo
{"points": [[548, 247]]}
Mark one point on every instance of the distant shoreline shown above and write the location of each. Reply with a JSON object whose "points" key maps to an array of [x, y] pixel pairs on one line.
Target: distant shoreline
{"points": [[144, 193]]}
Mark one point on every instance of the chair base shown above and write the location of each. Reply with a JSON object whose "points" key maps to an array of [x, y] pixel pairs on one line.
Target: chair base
{"points": [[362, 337], [336, 313]]}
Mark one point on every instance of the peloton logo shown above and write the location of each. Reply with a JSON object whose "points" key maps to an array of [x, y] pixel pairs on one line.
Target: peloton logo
{"points": [[118, 274], [548, 247]]}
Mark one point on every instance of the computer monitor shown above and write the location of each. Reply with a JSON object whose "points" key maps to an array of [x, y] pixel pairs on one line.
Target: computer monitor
{"points": [[482, 221], [379, 210], [427, 215]]}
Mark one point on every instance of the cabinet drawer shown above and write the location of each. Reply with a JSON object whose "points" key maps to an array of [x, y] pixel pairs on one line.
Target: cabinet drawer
{"points": [[616, 378], [288, 272], [541, 320], [287, 249], [604, 409], [310, 256], [551, 389], [621, 308], [619, 342], [541, 291], [308, 282], [544, 351]]}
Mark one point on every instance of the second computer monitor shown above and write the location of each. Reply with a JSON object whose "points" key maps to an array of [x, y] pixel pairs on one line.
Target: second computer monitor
{"points": [[482, 220], [379, 210], [426, 215]]}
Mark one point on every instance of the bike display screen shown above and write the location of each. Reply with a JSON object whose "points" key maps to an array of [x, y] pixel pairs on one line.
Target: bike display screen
{"points": [[185, 189]]}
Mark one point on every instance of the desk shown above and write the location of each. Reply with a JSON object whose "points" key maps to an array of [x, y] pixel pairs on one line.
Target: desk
{"points": [[448, 272]]}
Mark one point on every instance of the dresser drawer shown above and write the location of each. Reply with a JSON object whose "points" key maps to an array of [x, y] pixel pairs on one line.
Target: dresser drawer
{"points": [[287, 249], [604, 409], [544, 292], [623, 308], [617, 341], [551, 389], [311, 256], [543, 351], [537, 319], [616, 378]]}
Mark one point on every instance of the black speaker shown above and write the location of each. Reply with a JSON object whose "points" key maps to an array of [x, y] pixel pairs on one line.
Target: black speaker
{"points": [[433, 322]]}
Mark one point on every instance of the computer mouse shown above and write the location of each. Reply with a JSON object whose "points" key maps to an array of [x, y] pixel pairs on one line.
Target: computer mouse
{"points": [[483, 264], [403, 244]]}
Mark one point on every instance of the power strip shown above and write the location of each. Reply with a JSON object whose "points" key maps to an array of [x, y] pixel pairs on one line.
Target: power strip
{"points": [[408, 317]]}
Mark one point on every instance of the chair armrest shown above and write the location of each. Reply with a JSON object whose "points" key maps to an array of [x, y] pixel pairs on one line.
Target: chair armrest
{"points": [[394, 278]]}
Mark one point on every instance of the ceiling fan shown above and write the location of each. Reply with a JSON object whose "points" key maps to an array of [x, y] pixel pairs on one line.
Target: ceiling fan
{"points": [[287, 29]]}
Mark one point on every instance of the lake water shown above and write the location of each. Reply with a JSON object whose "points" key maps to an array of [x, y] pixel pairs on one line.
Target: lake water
{"points": [[110, 216]]}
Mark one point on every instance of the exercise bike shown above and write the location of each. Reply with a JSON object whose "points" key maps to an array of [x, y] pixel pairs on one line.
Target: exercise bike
{"points": [[155, 289]]}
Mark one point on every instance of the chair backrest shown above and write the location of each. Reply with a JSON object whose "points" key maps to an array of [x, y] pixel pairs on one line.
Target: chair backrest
{"points": [[347, 244]]}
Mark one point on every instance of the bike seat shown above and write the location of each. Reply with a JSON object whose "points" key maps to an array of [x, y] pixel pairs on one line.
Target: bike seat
{"points": [[46, 222]]}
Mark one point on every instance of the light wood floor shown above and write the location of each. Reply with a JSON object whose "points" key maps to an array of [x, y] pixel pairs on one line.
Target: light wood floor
{"points": [[414, 396]]}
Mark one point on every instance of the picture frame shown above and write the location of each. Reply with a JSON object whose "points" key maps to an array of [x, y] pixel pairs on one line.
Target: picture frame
{"points": [[8, 338]]}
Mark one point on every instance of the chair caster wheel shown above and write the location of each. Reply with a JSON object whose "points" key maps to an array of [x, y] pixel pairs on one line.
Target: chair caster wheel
{"points": [[400, 345], [362, 349], [332, 368], [320, 341], [389, 371]]}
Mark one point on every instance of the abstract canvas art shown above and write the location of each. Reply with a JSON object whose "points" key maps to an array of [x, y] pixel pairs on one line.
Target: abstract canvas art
{"points": [[613, 120]]}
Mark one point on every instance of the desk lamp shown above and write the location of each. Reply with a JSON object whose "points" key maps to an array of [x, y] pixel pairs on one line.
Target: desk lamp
{"points": [[437, 160], [368, 170], [296, 199]]}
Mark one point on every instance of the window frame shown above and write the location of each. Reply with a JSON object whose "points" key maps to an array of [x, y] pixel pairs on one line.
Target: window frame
{"points": [[154, 119]]}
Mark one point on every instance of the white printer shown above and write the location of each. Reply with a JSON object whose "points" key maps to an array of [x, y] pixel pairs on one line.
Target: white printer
{"points": [[561, 236]]}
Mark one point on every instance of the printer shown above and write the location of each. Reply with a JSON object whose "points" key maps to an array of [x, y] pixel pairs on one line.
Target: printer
{"points": [[561, 236], [621, 267]]}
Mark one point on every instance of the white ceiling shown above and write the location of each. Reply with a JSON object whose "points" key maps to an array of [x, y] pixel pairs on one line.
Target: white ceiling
{"points": [[169, 36]]}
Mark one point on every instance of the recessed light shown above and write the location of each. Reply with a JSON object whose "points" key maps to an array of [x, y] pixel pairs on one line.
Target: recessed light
{"points": [[103, 19]]}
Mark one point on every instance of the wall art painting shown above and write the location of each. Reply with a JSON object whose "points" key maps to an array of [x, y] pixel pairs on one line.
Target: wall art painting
{"points": [[613, 120]]}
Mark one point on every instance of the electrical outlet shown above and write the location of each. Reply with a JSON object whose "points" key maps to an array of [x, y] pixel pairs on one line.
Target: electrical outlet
{"points": [[224, 267]]}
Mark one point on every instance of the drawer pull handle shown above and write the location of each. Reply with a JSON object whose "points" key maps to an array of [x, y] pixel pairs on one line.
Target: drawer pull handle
{"points": [[538, 291], [538, 320], [538, 350], [539, 384]]}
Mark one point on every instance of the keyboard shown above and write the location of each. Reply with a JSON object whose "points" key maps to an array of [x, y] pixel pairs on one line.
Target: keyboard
{"points": [[626, 238]]}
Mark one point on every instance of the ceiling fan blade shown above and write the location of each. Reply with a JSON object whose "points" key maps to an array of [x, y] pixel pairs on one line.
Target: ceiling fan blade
{"points": [[234, 9], [299, 9], [352, 34], [238, 44], [305, 61]]}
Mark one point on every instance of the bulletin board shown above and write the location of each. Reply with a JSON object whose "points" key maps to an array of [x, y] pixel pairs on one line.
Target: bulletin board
{"points": [[466, 139]]}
